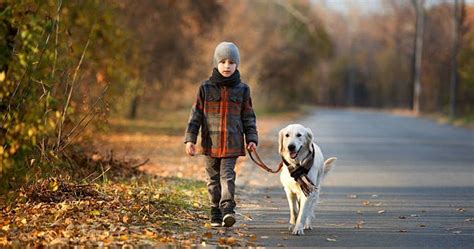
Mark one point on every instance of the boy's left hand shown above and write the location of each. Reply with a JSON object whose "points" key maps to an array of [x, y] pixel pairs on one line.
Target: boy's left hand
{"points": [[251, 146]]}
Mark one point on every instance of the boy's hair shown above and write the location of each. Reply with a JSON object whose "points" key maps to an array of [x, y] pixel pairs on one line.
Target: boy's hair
{"points": [[226, 50]]}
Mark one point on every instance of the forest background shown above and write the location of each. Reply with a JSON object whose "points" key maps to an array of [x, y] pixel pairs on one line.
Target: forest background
{"points": [[67, 68]]}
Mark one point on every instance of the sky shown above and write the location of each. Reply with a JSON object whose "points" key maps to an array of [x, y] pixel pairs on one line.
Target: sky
{"points": [[369, 5]]}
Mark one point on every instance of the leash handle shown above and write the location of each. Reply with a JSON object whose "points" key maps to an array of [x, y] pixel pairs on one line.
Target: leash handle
{"points": [[258, 161]]}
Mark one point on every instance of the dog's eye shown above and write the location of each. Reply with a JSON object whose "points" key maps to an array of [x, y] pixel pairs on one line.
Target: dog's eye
{"points": [[287, 135], [298, 135]]}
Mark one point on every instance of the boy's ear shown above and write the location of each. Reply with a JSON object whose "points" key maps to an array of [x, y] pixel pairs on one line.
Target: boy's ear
{"points": [[280, 141]]}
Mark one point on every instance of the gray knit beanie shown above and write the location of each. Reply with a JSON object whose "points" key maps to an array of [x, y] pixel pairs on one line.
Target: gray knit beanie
{"points": [[226, 50]]}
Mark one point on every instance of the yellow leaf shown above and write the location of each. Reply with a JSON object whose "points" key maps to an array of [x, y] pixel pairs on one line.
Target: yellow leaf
{"points": [[6, 228], [2, 76], [53, 185], [208, 226], [150, 233], [23, 221], [123, 237], [31, 132], [95, 212]]}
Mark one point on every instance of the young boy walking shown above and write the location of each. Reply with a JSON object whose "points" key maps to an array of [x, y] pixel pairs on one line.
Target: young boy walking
{"points": [[223, 110]]}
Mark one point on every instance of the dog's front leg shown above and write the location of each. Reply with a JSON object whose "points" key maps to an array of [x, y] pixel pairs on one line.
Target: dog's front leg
{"points": [[292, 202], [303, 212], [312, 201]]}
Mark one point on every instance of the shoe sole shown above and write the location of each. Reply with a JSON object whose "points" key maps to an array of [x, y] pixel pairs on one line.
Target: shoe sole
{"points": [[216, 224], [228, 221]]}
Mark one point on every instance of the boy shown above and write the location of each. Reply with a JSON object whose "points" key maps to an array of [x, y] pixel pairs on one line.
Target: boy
{"points": [[223, 110]]}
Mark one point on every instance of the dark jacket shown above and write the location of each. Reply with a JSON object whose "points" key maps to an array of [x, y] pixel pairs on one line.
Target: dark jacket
{"points": [[225, 115]]}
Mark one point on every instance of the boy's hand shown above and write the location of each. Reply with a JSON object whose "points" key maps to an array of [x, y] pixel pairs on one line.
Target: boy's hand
{"points": [[251, 146], [190, 149]]}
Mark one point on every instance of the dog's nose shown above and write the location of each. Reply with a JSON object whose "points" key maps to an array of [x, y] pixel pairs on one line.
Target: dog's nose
{"points": [[291, 147]]}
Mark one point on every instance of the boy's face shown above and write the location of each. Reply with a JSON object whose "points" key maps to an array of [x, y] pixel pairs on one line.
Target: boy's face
{"points": [[226, 67]]}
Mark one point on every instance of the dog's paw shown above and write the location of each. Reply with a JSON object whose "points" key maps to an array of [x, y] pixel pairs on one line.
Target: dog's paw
{"points": [[298, 230], [292, 221], [308, 227], [291, 227]]}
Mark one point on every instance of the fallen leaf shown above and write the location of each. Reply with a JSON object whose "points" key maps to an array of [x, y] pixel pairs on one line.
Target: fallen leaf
{"points": [[264, 237], [149, 233], [469, 219], [403, 231], [95, 212], [222, 240], [402, 217], [375, 196], [253, 237], [207, 235], [414, 215], [208, 226], [231, 241], [6, 228], [365, 203], [457, 232], [359, 224], [461, 210], [422, 225], [352, 196], [125, 219], [331, 239], [381, 211]]}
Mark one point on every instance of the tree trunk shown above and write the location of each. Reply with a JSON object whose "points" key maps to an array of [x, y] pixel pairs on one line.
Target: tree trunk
{"points": [[454, 56], [420, 9], [134, 107]]}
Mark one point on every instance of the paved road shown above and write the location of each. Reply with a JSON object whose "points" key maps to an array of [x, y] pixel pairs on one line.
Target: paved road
{"points": [[398, 182]]}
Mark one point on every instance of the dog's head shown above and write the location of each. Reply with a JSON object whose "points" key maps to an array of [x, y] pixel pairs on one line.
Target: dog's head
{"points": [[293, 140]]}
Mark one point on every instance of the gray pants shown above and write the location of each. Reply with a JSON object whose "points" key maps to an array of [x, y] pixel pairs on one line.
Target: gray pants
{"points": [[221, 183]]}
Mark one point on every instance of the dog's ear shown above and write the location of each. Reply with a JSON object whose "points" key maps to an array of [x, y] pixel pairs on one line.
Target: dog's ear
{"points": [[280, 141], [309, 135]]}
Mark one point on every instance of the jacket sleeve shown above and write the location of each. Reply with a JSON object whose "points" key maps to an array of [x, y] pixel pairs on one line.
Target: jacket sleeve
{"points": [[195, 118], [249, 120]]}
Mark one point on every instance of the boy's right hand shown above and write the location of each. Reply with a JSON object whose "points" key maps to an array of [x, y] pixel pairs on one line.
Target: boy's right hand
{"points": [[190, 149]]}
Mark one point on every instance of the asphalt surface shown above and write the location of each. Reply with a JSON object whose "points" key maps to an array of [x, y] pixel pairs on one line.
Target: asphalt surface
{"points": [[398, 182]]}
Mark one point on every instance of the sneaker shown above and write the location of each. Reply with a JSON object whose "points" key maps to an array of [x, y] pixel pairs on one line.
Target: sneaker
{"points": [[216, 222], [229, 220], [216, 217]]}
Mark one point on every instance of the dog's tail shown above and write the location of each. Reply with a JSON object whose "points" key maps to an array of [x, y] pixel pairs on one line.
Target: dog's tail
{"points": [[329, 164]]}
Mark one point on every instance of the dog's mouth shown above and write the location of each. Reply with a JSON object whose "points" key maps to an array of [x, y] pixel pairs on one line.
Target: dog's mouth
{"points": [[294, 154]]}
